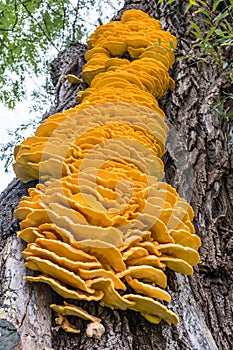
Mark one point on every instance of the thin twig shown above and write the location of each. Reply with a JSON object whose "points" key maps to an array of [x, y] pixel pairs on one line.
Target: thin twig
{"points": [[75, 21]]}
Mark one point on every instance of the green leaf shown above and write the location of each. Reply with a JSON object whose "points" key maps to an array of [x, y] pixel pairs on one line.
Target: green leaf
{"points": [[200, 2], [210, 32], [215, 4], [220, 32], [221, 16], [188, 8], [32, 29], [195, 26], [203, 11]]}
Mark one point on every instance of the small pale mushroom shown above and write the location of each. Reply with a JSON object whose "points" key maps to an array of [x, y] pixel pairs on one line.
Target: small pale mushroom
{"points": [[95, 330]]}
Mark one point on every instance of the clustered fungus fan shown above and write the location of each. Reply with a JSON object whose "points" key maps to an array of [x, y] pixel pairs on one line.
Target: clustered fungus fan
{"points": [[101, 225]]}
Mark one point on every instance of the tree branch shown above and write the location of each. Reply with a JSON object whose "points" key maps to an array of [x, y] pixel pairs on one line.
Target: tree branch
{"points": [[41, 28]]}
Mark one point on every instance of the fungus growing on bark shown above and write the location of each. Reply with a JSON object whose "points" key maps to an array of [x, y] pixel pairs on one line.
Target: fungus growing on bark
{"points": [[57, 148], [71, 310], [128, 35], [73, 79], [129, 93], [100, 219], [103, 264]]}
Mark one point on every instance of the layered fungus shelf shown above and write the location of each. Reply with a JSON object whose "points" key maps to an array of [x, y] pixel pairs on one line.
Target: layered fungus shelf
{"points": [[101, 224]]}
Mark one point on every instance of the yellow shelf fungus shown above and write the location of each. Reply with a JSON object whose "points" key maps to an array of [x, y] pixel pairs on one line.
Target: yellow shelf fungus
{"points": [[71, 310], [101, 219]]}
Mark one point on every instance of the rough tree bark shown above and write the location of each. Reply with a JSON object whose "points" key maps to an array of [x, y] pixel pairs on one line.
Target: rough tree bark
{"points": [[198, 165]]}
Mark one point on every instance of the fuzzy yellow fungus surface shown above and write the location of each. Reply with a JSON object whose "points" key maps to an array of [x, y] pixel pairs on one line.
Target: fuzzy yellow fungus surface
{"points": [[101, 219]]}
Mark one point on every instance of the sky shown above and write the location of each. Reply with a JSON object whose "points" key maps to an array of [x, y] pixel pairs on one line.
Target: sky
{"points": [[10, 120]]}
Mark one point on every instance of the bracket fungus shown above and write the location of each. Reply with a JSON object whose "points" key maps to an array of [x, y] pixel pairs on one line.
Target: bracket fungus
{"points": [[101, 222]]}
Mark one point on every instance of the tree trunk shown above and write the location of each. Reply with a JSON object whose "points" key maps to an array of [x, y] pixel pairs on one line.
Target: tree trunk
{"points": [[198, 165]]}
